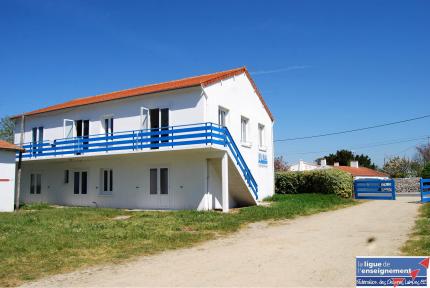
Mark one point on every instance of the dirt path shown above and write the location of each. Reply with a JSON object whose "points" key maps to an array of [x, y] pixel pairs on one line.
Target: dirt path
{"points": [[317, 250]]}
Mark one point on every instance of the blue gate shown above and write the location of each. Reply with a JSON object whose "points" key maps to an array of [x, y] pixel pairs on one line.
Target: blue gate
{"points": [[425, 190], [375, 189]]}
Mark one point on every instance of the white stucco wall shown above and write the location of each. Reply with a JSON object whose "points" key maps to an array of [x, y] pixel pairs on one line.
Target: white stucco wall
{"points": [[237, 95], [185, 107], [187, 181], [7, 180]]}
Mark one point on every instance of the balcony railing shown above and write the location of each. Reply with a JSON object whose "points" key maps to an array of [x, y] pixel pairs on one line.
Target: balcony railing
{"points": [[135, 140]]}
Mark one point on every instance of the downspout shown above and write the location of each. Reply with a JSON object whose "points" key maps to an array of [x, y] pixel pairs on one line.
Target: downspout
{"points": [[18, 177]]}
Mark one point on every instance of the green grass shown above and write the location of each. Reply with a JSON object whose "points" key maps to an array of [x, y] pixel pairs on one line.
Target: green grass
{"points": [[419, 242], [40, 240]]}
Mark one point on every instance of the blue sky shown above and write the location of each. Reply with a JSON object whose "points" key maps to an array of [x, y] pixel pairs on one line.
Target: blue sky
{"points": [[322, 66]]}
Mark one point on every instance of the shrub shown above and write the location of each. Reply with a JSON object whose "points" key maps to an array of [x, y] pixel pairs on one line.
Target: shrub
{"points": [[328, 181], [426, 172]]}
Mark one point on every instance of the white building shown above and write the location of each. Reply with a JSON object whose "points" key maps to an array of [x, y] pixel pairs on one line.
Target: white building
{"points": [[203, 143], [7, 175], [306, 166]]}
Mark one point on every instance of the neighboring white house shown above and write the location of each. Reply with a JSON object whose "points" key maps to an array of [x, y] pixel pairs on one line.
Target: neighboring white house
{"points": [[361, 172], [7, 175], [203, 142], [354, 169], [306, 166]]}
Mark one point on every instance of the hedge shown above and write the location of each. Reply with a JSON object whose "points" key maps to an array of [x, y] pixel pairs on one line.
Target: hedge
{"points": [[328, 181], [426, 172]]}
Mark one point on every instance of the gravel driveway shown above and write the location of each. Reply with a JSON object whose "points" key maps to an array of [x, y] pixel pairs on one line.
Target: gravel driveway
{"points": [[316, 250]]}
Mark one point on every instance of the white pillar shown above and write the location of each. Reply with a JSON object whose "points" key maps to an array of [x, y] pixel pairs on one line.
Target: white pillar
{"points": [[224, 180]]}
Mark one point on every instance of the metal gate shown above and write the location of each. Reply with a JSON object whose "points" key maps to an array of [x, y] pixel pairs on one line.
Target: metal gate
{"points": [[425, 190], [375, 189]]}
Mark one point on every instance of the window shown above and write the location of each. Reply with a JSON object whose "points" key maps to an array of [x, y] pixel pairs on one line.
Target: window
{"points": [[159, 181], [107, 124], [153, 181], [66, 176], [80, 182], [222, 116], [159, 120], [261, 136], [37, 138], [106, 181], [244, 130], [164, 181], [83, 131], [68, 128], [35, 183]]}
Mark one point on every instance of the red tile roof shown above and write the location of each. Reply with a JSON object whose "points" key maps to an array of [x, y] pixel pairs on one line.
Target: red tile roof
{"points": [[361, 171], [9, 146], [202, 80]]}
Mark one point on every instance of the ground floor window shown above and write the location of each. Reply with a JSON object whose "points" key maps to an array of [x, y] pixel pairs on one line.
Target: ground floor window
{"points": [[80, 182], [106, 181], [35, 183], [159, 181]]}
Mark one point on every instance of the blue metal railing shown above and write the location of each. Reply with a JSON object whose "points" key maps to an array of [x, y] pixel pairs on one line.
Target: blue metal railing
{"points": [[425, 190], [375, 189], [194, 134]]}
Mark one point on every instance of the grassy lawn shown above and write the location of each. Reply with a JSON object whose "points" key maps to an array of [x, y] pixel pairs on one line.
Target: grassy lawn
{"points": [[419, 243], [41, 240]]}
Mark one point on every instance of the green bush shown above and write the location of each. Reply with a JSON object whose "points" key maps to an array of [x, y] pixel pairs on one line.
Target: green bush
{"points": [[426, 171], [329, 181]]}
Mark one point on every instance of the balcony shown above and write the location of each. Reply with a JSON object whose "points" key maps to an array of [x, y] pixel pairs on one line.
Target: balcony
{"points": [[144, 140]]}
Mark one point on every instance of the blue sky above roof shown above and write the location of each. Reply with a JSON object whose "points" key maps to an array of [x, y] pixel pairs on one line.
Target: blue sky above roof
{"points": [[321, 66]]}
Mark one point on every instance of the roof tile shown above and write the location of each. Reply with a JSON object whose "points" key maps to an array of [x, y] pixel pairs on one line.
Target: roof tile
{"points": [[9, 146], [361, 171], [202, 80]]}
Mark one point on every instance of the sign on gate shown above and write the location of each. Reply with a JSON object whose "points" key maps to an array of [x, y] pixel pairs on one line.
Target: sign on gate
{"points": [[425, 190], [375, 189]]}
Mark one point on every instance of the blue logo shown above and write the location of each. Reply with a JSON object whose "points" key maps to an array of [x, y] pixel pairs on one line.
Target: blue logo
{"points": [[262, 159], [392, 271]]}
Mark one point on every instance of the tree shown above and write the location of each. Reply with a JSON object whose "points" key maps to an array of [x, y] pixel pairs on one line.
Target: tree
{"points": [[423, 153], [7, 128], [344, 157], [281, 164], [426, 172], [400, 167]]}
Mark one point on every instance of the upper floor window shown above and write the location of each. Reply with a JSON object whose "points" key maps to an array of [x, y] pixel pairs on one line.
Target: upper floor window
{"points": [[107, 124], [244, 137], [222, 116], [261, 136], [68, 125], [37, 138]]}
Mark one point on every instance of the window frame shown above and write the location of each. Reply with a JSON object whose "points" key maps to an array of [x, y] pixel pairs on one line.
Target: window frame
{"points": [[226, 111], [66, 179], [80, 189], [245, 141], [106, 180], [108, 130], [35, 183], [158, 185], [262, 137]]}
